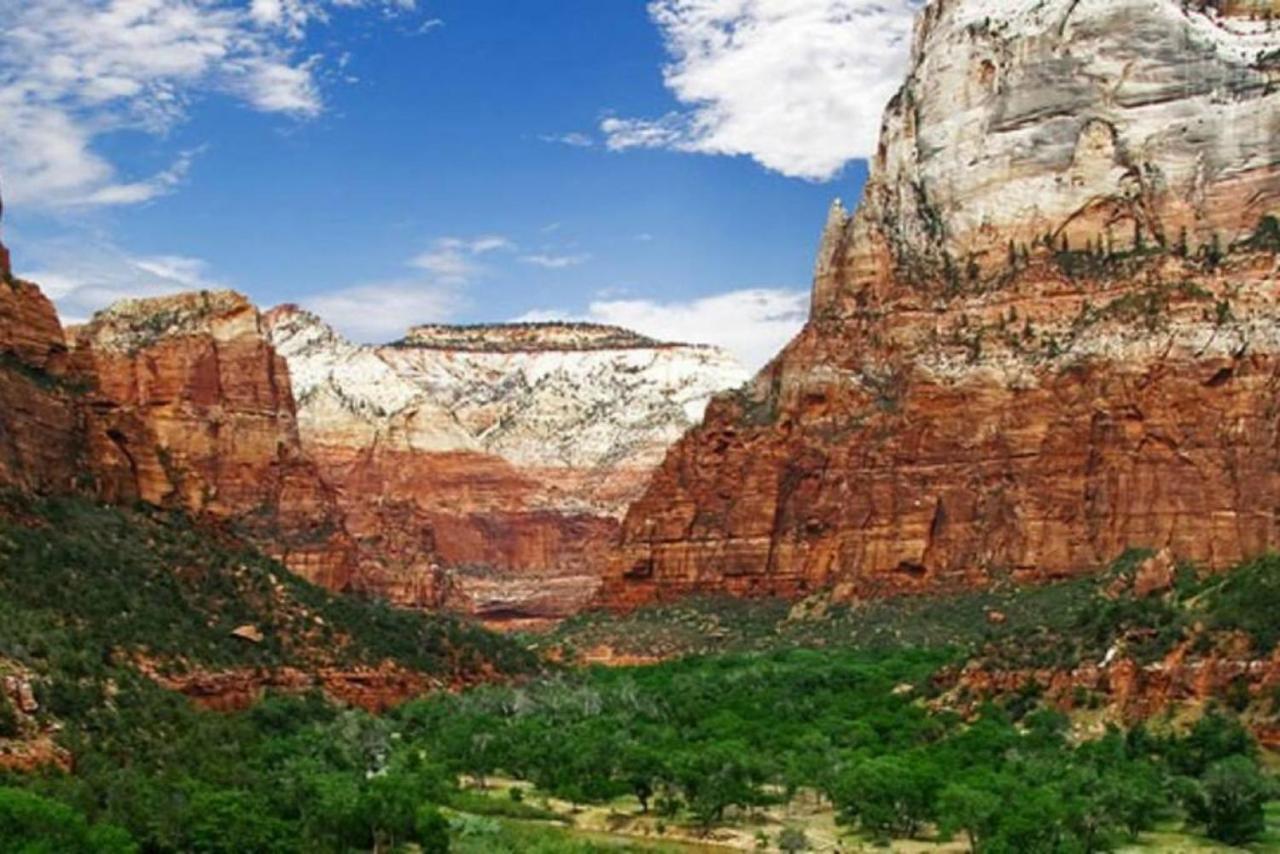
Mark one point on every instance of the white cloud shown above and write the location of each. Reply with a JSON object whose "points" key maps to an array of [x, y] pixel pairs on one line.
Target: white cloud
{"points": [[576, 139], [453, 260], [753, 324], [555, 262], [799, 85], [383, 311], [377, 312], [72, 71], [83, 276]]}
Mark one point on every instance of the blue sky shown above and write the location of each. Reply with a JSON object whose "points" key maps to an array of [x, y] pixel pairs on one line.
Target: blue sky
{"points": [[388, 162]]}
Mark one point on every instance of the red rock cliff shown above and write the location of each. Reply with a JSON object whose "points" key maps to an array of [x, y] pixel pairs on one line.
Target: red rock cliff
{"points": [[39, 419], [1049, 332], [191, 407], [485, 468]]}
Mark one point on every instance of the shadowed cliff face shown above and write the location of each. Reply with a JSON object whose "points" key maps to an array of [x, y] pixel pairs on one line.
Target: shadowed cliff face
{"points": [[39, 419], [191, 407], [1047, 334]]}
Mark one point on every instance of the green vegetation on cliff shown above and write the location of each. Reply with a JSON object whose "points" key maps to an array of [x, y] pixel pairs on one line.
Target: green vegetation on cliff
{"points": [[861, 722], [91, 596], [85, 588]]}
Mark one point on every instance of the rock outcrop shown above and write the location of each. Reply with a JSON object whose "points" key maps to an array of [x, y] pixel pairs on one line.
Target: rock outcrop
{"points": [[485, 468], [39, 418], [190, 407], [1048, 333]]}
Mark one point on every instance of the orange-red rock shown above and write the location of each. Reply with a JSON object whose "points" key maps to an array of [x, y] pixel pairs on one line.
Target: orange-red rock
{"points": [[1047, 335], [191, 407], [484, 468], [374, 689], [1131, 691], [39, 419]]}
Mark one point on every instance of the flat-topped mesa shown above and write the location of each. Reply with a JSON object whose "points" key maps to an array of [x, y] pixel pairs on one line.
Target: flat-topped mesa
{"points": [[527, 338], [1048, 333], [485, 467]]}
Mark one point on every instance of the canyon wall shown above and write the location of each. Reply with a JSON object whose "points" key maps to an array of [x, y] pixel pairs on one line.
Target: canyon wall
{"points": [[39, 419], [190, 407], [486, 468], [479, 469], [1048, 333]]}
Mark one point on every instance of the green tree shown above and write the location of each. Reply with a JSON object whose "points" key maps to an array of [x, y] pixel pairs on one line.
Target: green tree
{"points": [[1132, 795], [889, 795], [231, 822], [972, 806], [9, 725], [1229, 801], [1214, 737], [715, 778], [30, 824], [432, 830]]}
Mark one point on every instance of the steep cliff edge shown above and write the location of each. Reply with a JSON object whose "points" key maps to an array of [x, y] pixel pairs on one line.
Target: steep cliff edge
{"points": [[39, 421], [1049, 332], [190, 407], [485, 468]]}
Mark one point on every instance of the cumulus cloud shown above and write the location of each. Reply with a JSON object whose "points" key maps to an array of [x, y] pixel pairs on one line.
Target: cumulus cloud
{"points": [[72, 71], [798, 85], [753, 324]]}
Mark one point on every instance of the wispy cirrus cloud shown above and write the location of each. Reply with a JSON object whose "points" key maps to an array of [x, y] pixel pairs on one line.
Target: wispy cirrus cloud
{"points": [[575, 139], [549, 261], [72, 71], [435, 290], [456, 260], [378, 312], [798, 85]]}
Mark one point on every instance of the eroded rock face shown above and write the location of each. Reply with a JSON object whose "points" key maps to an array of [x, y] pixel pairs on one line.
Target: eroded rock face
{"points": [[485, 468], [1077, 120], [1048, 334], [1130, 692], [39, 421], [191, 407]]}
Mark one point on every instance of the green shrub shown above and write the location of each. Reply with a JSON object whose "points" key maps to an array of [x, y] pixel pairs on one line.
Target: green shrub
{"points": [[10, 725], [1229, 801], [432, 830], [30, 824]]}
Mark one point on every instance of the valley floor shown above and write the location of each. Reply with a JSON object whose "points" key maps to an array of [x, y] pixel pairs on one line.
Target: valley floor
{"points": [[194, 696], [621, 825]]}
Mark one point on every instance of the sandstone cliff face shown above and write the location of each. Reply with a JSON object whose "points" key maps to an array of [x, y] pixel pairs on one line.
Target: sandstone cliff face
{"points": [[38, 417], [1048, 333], [485, 468], [192, 408]]}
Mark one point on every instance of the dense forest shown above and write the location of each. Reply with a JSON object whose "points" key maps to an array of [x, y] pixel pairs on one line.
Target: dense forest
{"points": [[846, 711]]}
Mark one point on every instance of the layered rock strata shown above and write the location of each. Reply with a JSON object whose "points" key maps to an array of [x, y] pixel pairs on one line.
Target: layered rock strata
{"points": [[1048, 333], [189, 406], [39, 419], [485, 468]]}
